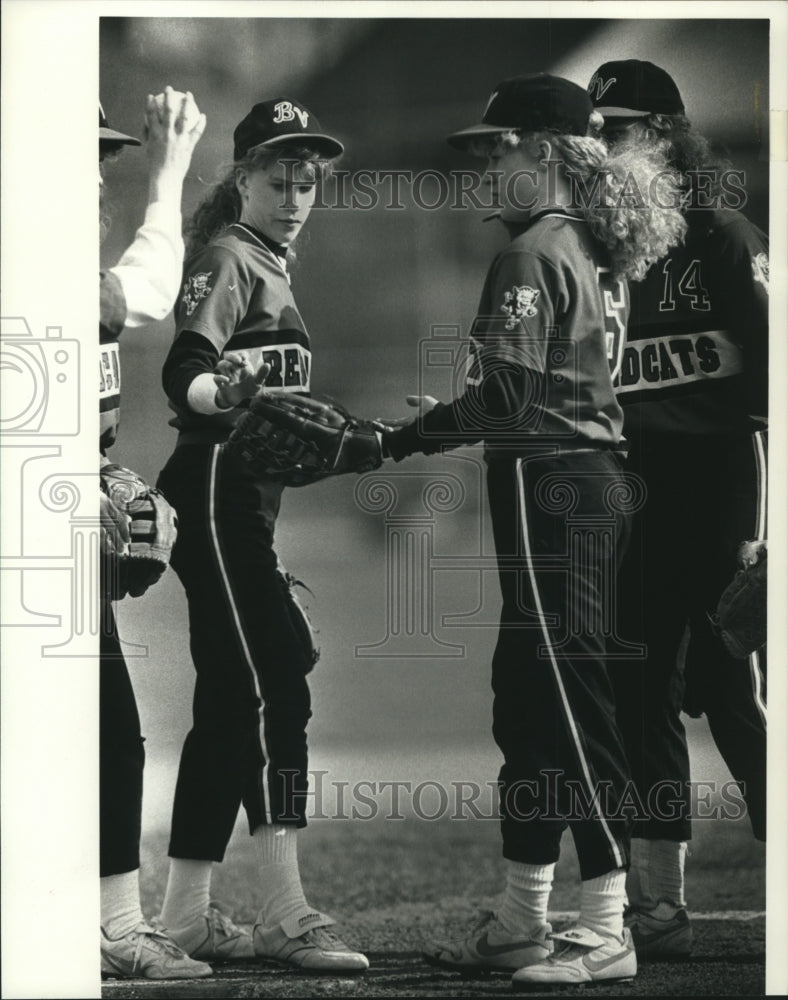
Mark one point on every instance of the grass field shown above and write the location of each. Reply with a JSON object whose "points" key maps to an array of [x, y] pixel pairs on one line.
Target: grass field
{"points": [[393, 884]]}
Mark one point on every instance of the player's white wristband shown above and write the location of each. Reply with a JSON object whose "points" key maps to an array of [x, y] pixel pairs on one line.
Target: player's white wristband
{"points": [[201, 396]]}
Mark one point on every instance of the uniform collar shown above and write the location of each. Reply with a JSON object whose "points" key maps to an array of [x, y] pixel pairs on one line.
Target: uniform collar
{"points": [[277, 249], [518, 228]]}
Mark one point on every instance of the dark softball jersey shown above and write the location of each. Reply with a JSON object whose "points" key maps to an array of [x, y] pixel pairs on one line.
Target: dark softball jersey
{"points": [[547, 325], [236, 297], [696, 357]]}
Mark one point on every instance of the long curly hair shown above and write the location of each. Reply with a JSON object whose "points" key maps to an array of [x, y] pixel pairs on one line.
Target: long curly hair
{"points": [[635, 207], [638, 219], [222, 205], [685, 149]]}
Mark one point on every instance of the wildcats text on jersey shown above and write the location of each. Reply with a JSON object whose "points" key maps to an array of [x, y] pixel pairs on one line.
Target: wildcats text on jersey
{"points": [[676, 360]]}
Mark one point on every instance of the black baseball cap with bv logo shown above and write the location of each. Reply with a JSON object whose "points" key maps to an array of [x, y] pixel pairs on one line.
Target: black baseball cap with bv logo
{"points": [[279, 121]]}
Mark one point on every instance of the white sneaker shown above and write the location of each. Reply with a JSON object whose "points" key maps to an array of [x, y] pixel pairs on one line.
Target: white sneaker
{"points": [[213, 937], [146, 953], [305, 941], [580, 956], [490, 948], [660, 932]]}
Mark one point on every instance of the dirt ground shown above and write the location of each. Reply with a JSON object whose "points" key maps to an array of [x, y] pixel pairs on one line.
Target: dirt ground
{"points": [[393, 885]]}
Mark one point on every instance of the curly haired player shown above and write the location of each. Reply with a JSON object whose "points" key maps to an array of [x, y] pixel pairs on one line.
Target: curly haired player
{"points": [[140, 288], [547, 342], [693, 387], [237, 326]]}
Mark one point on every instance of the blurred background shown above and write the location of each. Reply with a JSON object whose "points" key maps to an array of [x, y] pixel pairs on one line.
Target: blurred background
{"points": [[371, 285]]}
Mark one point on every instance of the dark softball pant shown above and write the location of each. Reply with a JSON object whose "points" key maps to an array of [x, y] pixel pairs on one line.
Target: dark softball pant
{"points": [[704, 497], [121, 757], [559, 536], [251, 699]]}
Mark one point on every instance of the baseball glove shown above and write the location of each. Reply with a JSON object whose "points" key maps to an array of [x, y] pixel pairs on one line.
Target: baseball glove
{"points": [[740, 618], [299, 440], [152, 529]]}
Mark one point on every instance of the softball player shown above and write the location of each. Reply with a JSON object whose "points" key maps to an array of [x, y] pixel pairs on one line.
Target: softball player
{"points": [[237, 324], [547, 339], [139, 289], [693, 386]]}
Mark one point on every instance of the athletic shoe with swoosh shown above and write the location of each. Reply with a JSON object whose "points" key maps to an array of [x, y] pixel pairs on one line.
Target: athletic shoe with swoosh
{"points": [[489, 948], [306, 941], [580, 957], [146, 953], [213, 937], [661, 932]]}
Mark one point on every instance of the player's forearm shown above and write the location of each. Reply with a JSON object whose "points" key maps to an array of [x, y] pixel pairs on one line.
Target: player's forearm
{"points": [[187, 376], [150, 270], [165, 187], [445, 426], [504, 402]]}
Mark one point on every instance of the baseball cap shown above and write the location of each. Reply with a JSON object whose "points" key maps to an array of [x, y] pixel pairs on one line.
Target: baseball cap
{"points": [[533, 102], [107, 134], [271, 123], [631, 88]]}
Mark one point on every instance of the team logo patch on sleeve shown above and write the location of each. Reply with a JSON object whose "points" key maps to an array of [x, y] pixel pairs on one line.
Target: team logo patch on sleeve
{"points": [[519, 304], [760, 269], [195, 290]]}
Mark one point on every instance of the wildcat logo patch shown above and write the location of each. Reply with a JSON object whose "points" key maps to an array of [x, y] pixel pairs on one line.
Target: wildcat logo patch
{"points": [[195, 290], [519, 304]]}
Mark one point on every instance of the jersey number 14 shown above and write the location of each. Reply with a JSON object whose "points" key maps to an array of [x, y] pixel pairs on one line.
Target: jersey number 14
{"points": [[690, 285]]}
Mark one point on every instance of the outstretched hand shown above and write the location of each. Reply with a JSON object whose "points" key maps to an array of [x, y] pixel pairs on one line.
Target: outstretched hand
{"points": [[424, 404], [173, 127], [236, 379]]}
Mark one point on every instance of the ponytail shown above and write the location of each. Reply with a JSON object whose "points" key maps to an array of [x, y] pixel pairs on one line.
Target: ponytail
{"points": [[219, 209]]}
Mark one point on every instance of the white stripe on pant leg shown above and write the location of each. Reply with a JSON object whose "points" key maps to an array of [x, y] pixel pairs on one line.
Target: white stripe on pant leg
{"points": [[573, 728], [760, 534], [238, 626], [760, 469], [756, 679]]}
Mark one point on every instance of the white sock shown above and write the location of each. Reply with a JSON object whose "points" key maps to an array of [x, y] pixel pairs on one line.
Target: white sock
{"points": [[666, 871], [524, 905], [638, 885], [188, 893], [602, 902], [120, 904], [280, 881]]}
